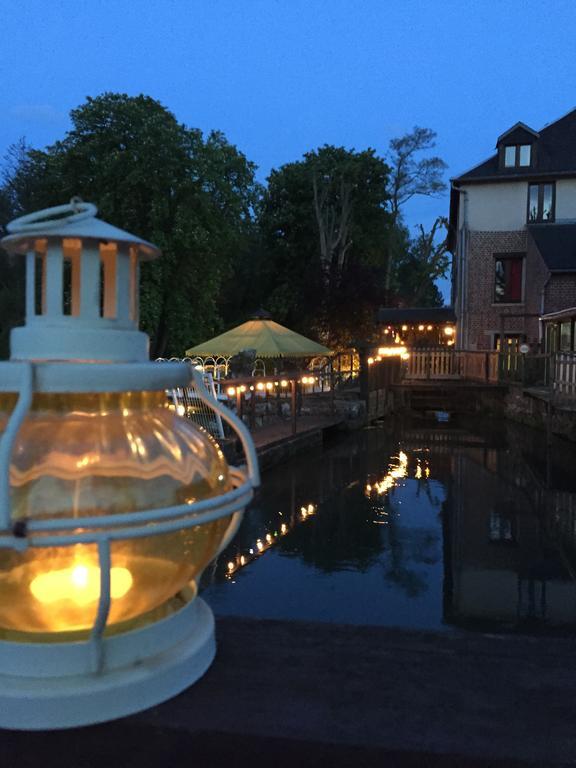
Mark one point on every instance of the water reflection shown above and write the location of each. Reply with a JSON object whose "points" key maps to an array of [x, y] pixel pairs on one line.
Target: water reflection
{"points": [[411, 525]]}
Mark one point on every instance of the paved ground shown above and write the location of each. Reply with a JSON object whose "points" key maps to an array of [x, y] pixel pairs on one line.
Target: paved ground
{"points": [[313, 695]]}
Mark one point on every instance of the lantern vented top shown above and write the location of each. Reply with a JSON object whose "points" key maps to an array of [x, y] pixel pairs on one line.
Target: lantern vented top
{"points": [[82, 278], [76, 219]]}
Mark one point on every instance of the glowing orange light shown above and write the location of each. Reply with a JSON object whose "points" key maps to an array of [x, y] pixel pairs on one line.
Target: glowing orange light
{"points": [[391, 351], [81, 584]]}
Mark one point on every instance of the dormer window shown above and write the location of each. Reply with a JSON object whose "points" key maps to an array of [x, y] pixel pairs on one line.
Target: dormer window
{"points": [[517, 155]]}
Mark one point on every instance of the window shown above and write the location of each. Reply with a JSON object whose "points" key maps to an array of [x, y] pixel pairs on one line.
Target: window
{"points": [[566, 336], [502, 525], [511, 343], [541, 202], [510, 157], [508, 279], [524, 155], [517, 156]]}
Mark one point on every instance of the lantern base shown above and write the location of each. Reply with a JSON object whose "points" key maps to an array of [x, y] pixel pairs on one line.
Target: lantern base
{"points": [[141, 668]]}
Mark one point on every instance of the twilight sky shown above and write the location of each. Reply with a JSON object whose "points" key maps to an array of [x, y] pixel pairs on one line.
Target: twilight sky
{"points": [[280, 77]]}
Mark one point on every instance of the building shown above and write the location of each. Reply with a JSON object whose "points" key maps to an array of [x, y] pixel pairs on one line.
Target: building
{"points": [[415, 327], [512, 232]]}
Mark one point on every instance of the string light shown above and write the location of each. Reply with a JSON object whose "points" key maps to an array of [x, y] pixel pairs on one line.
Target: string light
{"points": [[269, 540]]}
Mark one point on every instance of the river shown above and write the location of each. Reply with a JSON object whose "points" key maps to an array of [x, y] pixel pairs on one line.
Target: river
{"points": [[428, 524]]}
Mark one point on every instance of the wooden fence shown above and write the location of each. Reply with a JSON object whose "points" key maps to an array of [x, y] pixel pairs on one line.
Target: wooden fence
{"points": [[555, 373], [564, 374], [452, 364]]}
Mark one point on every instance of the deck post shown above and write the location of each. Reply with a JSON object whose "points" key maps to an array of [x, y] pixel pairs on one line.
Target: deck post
{"points": [[253, 408], [293, 404], [239, 403], [332, 393]]}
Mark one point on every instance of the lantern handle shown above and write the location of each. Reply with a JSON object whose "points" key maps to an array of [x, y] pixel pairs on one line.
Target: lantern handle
{"points": [[235, 423], [43, 220], [8, 439]]}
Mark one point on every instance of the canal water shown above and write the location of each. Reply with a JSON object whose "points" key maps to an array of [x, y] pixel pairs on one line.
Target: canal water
{"points": [[429, 525]]}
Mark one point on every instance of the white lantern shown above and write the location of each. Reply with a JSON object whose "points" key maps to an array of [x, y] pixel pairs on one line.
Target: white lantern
{"points": [[111, 504]]}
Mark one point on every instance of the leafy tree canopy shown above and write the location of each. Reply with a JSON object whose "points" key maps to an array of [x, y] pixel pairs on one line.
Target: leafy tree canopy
{"points": [[321, 247], [193, 196], [323, 225]]}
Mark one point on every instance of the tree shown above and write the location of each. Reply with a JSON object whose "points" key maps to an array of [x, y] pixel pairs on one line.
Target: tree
{"points": [[323, 226], [424, 261], [192, 196], [411, 175]]}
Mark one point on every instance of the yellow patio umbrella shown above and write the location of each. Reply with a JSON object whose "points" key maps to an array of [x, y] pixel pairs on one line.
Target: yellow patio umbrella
{"points": [[267, 338]]}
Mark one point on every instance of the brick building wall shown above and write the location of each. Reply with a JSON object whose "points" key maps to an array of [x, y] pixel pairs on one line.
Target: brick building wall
{"points": [[482, 315], [560, 292]]}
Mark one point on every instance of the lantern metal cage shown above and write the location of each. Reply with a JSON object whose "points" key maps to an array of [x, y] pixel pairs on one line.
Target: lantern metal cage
{"points": [[108, 671]]}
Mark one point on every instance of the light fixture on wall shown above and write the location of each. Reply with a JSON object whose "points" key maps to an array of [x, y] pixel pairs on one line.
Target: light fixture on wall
{"points": [[111, 503]]}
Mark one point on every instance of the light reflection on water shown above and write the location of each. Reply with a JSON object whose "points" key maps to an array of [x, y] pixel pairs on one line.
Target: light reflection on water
{"points": [[422, 526]]}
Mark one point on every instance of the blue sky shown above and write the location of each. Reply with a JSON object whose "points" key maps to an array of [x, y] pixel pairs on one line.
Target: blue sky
{"points": [[280, 77]]}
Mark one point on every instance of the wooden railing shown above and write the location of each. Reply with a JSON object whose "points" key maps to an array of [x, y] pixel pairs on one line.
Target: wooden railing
{"points": [[446, 363], [555, 373], [564, 374]]}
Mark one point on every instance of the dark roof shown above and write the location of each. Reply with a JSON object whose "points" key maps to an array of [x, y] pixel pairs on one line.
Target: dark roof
{"points": [[555, 153], [416, 315], [518, 129], [557, 245]]}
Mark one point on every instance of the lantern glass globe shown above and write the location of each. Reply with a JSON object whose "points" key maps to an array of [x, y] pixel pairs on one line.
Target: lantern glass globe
{"points": [[86, 455]]}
